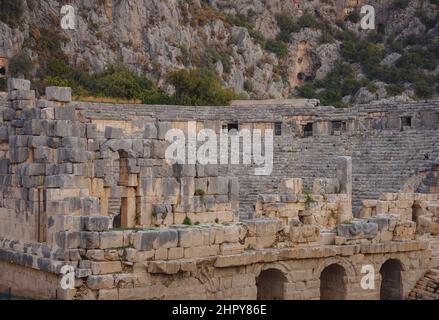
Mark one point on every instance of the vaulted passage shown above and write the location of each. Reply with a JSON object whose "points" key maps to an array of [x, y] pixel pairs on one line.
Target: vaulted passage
{"points": [[270, 285], [333, 283], [391, 283]]}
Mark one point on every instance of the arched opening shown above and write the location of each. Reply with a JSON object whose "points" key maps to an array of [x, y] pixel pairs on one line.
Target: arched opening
{"points": [[391, 282], [270, 285], [333, 283]]}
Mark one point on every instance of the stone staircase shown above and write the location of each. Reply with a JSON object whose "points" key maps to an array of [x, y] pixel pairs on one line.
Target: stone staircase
{"points": [[434, 247], [382, 162], [427, 288]]}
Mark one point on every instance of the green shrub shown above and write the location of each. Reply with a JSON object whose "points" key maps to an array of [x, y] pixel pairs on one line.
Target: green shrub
{"points": [[422, 59], [400, 4], [118, 82], [395, 89], [307, 91], [20, 65], [331, 97], [199, 87], [156, 96], [307, 20], [187, 221], [415, 39], [246, 22], [350, 86], [212, 55], [423, 88], [326, 37], [3, 84], [11, 12], [280, 48], [287, 22], [426, 20]]}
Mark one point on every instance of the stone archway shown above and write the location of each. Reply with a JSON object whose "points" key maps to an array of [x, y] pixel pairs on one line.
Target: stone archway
{"points": [[270, 285], [333, 283], [391, 280]]}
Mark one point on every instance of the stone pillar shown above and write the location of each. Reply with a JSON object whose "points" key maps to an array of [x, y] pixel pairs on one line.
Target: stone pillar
{"points": [[344, 176]]}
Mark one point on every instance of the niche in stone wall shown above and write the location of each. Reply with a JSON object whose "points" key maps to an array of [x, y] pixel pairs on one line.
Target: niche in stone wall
{"points": [[124, 203], [308, 130]]}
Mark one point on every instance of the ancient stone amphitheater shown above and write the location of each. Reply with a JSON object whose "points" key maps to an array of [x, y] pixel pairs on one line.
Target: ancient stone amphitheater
{"points": [[350, 211]]}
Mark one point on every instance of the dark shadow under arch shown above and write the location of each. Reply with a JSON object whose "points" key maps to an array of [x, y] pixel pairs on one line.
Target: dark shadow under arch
{"points": [[391, 281], [270, 285], [333, 283]]}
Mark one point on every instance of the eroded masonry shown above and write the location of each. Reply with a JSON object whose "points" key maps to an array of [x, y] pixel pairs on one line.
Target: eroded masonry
{"points": [[88, 185]]}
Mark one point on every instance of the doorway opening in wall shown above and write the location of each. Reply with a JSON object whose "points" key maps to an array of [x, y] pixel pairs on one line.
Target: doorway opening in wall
{"points": [[232, 126], [270, 285], [406, 122], [338, 127], [118, 201], [307, 130], [333, 283], [391, 280], [2, 71], [278, 128]]}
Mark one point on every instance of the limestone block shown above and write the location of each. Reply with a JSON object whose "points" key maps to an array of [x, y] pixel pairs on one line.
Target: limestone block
{"points": [[18, 84], [111, 239], [231, 234], [326, 186], [144, 240], [113, 133], [268, 198], [389, 196], [404, 231], [89, 240], [61, 94], [21, 95], [99, 268], [161, 254], [187, 186], [96, 282], [291, 186], [166, 239], [65, 113], [304, 234], [162, 129], [357, 230], [169, 267], [95, 223], [150, 131], [202, 251], [175, 253], [231, 248], [184, 170], [383, 222]]}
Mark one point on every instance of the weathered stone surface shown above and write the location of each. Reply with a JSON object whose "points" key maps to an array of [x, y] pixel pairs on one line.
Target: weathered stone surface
{"points": [[61, 94]]}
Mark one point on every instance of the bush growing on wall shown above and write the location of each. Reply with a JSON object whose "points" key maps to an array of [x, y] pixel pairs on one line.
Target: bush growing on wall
{"points": [[3, 84], [199, 87], [20, 65]]}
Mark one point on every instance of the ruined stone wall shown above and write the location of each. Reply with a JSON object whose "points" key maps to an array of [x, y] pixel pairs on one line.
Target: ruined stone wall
{"points": [[87, 185], [384, 149]]}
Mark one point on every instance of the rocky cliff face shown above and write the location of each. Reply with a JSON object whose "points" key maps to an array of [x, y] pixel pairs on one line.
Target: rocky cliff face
{"points": [[159, 36]]}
